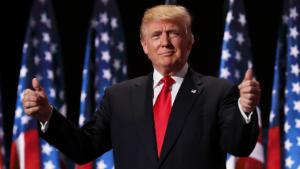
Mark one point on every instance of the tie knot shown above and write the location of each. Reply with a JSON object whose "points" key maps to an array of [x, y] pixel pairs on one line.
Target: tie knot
{"points": [[167, 80]]}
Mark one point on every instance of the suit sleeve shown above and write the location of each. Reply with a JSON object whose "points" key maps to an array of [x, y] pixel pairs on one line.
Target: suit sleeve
{"points": [[81, 144], [237, 137]]}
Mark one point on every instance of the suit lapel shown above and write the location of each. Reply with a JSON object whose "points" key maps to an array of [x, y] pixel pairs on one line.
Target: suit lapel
{"points": [[190, 90], [142, 94]]}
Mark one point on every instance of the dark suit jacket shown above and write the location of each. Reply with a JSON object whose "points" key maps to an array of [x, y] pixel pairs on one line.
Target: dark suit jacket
{"points": [[205, 123]]}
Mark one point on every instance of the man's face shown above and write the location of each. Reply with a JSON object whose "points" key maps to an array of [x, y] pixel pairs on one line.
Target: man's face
{"points": [[167, 45]]}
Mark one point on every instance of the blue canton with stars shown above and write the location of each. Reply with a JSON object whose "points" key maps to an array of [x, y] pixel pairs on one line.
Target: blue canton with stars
{"points": [[236, 51], [41, 58], [105, 63], [292, 88]]}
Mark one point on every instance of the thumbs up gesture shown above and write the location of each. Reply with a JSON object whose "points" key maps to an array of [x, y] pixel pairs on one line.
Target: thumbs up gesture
{"points": [[249, 92], [35, 102]]}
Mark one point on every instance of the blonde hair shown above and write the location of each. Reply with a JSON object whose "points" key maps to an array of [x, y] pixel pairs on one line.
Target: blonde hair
{"points": [[167, 12]]}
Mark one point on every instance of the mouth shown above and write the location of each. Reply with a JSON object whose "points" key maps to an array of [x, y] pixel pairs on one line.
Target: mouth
{"points": [[166, 53]]}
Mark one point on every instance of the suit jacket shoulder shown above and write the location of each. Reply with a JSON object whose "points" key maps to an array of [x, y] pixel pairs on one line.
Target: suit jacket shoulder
{"points": [[142, 80]]}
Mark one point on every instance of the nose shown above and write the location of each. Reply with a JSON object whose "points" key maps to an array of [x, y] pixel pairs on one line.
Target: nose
{"points": [[165, 41]]}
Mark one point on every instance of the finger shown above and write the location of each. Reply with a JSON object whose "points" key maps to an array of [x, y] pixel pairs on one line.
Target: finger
{"points": [[28, 95], [32, 110], [249, 96], [36, 85], [249, 103], [250, 83], [248, 75], [38, 88], [250, 89], [28, 92], [30, 104], [31, 98], [253, 83]]}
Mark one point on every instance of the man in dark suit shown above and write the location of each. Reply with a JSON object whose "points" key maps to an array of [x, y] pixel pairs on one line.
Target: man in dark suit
{"points": [[173, 118]]}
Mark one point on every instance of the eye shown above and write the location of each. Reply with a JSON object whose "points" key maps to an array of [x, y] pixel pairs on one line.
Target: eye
{"points": [[155, 36], [174, 34]]}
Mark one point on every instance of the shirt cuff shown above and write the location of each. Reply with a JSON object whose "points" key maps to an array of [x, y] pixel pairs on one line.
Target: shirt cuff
{"points": [[247, 116], [44, 125]]}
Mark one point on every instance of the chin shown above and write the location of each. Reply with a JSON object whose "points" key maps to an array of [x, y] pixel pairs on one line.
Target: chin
{"points": [[168, 62], [171, 67]]}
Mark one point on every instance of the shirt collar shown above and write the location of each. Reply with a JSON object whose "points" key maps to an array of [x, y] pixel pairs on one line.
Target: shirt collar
{"points": [[178, 76]]}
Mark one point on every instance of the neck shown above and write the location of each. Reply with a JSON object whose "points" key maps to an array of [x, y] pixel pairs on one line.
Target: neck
{"points": [[172, 72]]}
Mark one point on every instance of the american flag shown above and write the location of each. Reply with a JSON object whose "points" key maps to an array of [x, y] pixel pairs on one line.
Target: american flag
{"points": [[274, 146], [104, 65], [2, 145], [235, 60], [284, 122], [40, 58]]}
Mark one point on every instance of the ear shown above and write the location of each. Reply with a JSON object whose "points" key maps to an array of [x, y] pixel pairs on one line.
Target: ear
{"points": [[190, 44], [192, 39], [144, 45]]}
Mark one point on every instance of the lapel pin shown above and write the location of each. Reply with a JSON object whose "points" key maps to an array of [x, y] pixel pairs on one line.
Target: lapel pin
{"points": [[193, 91]]}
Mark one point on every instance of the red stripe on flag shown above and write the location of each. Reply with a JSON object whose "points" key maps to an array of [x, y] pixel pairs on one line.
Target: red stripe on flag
{"points": [[248, 163], [273, 151], [32, 150], [85, 166], [14, 160]]}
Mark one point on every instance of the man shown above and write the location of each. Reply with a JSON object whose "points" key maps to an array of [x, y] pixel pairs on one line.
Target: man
{"points": [[173, 118]]}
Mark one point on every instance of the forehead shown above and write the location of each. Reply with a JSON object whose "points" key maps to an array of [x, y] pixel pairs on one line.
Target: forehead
{"points": [[156, 25]]}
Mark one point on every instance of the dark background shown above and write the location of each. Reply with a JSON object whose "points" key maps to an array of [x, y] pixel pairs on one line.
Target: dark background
{"points": [[73, 18]]}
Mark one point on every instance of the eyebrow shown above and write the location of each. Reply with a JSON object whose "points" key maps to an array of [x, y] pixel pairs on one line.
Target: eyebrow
{"points": [[168, 31]]}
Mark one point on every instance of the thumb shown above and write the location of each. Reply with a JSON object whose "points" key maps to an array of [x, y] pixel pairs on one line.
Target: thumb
{"points": [[38, 88], [248, 75], [36, 85]]}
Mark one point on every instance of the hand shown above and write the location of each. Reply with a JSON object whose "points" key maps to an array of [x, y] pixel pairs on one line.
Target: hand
{"points": [[249, 92], [35, 102]]}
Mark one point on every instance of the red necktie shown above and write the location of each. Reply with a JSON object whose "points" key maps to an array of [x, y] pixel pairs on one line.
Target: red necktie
{"points": [[162, 110]]}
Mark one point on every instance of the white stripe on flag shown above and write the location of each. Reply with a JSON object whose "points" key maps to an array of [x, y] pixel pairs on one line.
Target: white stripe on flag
{"points": [[257, 153], [230, 163], [20, 144]]}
